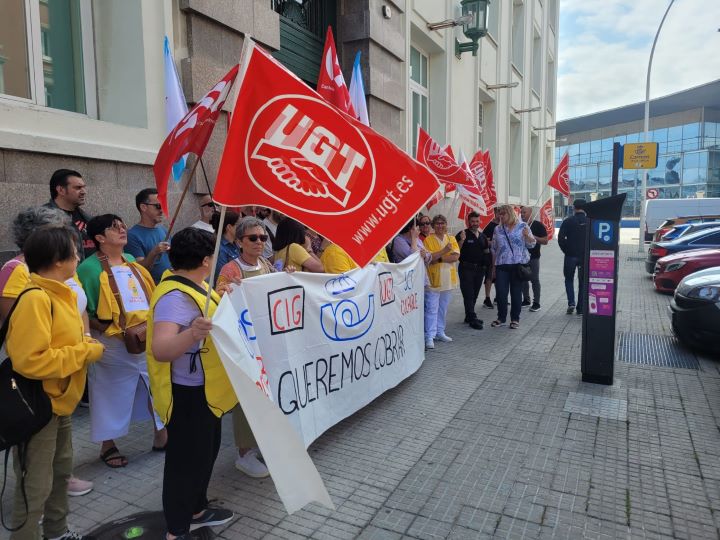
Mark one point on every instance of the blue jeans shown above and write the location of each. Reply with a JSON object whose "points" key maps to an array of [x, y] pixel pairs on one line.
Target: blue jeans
{"points": [[569, 265], [506, 281]]}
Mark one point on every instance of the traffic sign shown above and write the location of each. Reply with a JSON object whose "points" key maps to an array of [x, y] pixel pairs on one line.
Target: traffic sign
{"points": [[640, 155], [652, 193]]}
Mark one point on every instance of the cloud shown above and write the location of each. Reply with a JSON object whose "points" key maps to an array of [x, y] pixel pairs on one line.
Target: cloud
{"points": [[605, 45]]}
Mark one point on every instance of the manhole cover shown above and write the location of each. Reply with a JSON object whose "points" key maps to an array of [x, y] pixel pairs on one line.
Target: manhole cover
{"points": [[142, 526], [601, 406], [661, 351]]}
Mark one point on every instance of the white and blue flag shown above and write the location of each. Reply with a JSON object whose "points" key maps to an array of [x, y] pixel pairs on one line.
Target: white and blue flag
{"points": [[357, 92], [175, 104]]}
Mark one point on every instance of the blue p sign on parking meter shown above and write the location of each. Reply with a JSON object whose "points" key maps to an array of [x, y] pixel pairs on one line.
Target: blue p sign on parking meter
{"points": [[604, 231]]}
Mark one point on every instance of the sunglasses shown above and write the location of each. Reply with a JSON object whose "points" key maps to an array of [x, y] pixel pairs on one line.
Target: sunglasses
{"points": [[117, 227], [424, 223], [156, 205], [208, 204], [256, 237]]}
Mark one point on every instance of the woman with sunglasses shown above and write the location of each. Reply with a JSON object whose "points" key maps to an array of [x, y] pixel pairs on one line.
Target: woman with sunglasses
{"points": [[424, 224], [293, 247], [118, 291], [510, 243], [443, 276]]}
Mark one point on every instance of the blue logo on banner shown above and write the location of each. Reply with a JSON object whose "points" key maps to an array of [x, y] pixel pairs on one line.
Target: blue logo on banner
{"points": [[604, 231]]}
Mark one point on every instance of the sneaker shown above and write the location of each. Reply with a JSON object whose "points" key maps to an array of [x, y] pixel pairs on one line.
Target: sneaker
{"points": [[71, 535], [211, 517], [526, 303], [570, 310], [488, 303], [477, 324], [443, 338], [251, 465], [77, 487], [429, 344], [535, 307]]}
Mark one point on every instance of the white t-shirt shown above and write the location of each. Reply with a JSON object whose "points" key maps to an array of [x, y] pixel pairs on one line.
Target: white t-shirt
{"points": [[199, 224]]}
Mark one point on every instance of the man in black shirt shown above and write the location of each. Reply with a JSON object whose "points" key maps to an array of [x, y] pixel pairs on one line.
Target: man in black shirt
{"points": [[67, 192], [541, 235], [571, 240], [474, 259], [488, 232]]}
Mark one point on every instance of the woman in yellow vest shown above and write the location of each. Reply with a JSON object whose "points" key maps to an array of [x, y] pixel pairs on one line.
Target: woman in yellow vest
{"points": [[190, 388], [442, 273]]}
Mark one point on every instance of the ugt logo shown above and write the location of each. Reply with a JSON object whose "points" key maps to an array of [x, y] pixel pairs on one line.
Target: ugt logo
{"points": [[299, 150]]}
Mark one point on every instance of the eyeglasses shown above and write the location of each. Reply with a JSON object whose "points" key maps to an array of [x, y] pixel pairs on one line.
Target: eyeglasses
{"points": [[157, 205], [117, 227], [440, 223], [424, 223], [208, 204], [256, 237]]}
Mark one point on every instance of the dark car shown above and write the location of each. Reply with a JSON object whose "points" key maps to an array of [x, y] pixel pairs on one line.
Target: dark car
{"points": [[688, 228], [695, 310], [706, 239]]}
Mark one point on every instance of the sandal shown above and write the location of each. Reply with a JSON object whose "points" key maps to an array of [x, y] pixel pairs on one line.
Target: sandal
{"points": [[113, 454], [496, 323], [514, 325]]}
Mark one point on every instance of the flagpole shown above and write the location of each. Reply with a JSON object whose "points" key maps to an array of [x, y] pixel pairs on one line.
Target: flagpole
{"points": [[537, 206], [213, 265], [182, 198], [202, 166]]}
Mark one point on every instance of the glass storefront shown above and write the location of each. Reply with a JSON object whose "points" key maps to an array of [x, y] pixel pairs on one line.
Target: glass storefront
{"points": [[688, 166]]}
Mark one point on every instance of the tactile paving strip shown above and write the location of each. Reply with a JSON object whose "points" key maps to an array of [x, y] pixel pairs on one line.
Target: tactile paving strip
{"points": [[592, 405]]}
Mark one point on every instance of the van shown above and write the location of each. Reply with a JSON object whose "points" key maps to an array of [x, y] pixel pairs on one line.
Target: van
{"points": [[659, 210]]}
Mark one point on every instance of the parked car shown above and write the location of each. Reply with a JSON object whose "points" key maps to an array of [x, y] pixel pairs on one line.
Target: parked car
{"points": [[708, 239], [688, 228], [695, 310], [670, 270], [658, 211]]}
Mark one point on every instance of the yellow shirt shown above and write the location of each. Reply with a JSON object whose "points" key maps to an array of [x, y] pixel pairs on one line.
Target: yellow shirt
{"points": [[297, 257], [443, 276], [45, 341], [335, 259]]}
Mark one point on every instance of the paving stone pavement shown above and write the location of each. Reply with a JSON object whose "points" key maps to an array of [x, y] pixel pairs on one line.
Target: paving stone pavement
{"points": [[494, 437]]}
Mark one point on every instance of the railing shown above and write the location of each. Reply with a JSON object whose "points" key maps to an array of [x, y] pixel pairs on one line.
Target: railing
{"points": [[310, 14]]}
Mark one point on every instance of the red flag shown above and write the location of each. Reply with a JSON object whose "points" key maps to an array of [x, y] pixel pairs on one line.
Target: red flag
{"points": [[547, 218], [559, 179], [440, 162], [472, 196], [331, 83], [191, 134], [435, 199], [491, 194], [290, 150]]}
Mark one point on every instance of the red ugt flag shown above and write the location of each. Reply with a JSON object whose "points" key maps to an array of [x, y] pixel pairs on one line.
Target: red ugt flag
{"points": [[441, 162], [559, 179], [482, 159], [331, 83], [191, 134], [290, 150], [547, 218]]}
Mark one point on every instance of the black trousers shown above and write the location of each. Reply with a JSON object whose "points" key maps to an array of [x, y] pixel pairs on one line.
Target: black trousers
{"points": [[192, 447], [471, 280]]}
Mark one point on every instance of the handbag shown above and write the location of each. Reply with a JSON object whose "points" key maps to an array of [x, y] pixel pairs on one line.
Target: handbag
{"points": [[26, 410], [523, 272], [134, 336]]}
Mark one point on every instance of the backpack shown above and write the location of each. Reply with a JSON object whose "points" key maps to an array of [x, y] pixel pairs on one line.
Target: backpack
{"points": [[26, 410]]}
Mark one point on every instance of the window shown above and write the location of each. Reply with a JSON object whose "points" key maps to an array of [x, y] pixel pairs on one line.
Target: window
{"points": [[480, 124], [515, 159], [550, 86], [46, 53], [518, 36], [709, 240], [419, 94], [537, 63], [494, 20]]}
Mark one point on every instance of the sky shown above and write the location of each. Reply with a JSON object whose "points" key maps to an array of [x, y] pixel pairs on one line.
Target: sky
{"points": [[605, 46]]}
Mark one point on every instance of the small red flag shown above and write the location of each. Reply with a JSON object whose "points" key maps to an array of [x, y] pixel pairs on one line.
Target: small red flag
{"points": [[547, 218], [331, 83], [491, 194], [191, 134], [559, 179], [440, 162], [435, 199]]}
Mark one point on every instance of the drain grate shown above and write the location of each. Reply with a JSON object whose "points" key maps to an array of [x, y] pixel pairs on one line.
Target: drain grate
{"points": [[636, 258], [661, 351]]}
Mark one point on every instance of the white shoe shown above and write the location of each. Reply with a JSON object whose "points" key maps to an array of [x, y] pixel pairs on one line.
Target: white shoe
{"points": [[443, 338], [429, 344], [77, 487], [251, 465]]}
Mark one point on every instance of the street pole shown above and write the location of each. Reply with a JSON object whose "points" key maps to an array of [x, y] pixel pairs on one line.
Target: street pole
{"points": [[641, 240]]}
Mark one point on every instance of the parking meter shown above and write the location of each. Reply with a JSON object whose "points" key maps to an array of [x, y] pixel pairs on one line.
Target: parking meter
{"points": [[600, 276]]}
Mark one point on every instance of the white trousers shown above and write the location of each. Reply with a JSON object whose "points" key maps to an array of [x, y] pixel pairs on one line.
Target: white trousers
{"points": [[436, 306]]}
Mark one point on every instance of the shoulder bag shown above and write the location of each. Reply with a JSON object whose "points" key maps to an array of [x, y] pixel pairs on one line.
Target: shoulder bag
{"points": [[523, 272], [134, 336]]}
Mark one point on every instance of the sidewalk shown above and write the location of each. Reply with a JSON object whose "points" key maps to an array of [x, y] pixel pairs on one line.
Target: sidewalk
{"points": [[494, 437]]}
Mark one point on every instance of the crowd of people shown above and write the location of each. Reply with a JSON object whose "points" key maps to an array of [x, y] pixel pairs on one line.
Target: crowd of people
{"points": [[114, 316]]}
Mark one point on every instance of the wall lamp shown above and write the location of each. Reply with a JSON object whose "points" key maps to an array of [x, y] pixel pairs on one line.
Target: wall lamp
{"points": [[501, 85], [561, 139], [474, 21], [543, 128], [533, 109]]}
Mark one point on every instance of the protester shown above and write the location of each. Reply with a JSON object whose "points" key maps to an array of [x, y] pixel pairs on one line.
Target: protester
{"points": [[490, 270], [511, 240], [408, 242], [443, 277], [571, 240], [262, 212], [190, 388], [475, 258], [15, 276], [228, 243], [293, 247], [424, 223], [207, 207], [271, 224], [146, 239], [118, 291], [541, 236], [67, 192], [57, 351]]}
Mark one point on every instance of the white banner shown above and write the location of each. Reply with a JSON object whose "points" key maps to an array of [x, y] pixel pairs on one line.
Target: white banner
{"points": [[329, 344]]}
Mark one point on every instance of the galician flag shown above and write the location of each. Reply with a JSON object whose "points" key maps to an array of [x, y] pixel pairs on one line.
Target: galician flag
{"points": [[175, 104], [357, 92]]}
